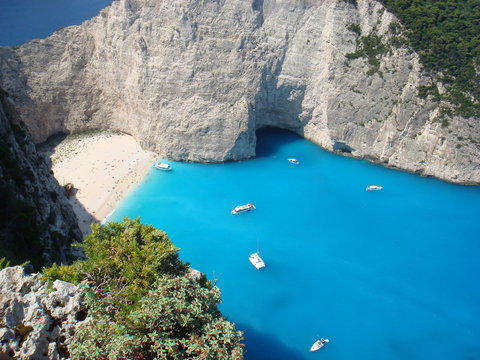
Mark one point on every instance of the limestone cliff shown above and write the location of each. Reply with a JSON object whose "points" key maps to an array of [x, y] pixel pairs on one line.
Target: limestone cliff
{"points": [[37, 224], [193, 80]]}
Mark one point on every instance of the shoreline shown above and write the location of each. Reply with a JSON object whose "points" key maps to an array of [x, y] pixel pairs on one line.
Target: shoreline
{"points": [[103, 168]]}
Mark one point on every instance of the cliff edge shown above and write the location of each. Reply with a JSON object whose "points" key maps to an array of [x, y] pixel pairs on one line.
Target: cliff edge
{"points": [[193, 80], [37, 224]]}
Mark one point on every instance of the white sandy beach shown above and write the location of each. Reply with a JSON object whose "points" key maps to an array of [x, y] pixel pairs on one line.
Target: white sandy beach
{"points": [[103, 167]]}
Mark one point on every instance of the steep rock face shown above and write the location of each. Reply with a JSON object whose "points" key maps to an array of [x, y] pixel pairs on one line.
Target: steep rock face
{"points": [[37, 223], [193, 80], [36, 323]]}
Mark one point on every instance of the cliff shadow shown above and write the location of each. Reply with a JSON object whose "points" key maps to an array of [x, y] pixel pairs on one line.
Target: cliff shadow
{"points": [[270, 139], [51, 143], [85, 219], [260, 346]]}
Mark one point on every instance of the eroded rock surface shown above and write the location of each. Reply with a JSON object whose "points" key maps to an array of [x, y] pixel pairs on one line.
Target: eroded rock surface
{"points": [[37, 224], [194, 80], [35, 322]]}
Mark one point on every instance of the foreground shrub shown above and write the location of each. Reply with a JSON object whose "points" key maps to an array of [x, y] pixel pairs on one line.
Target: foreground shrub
{"points": [[142, 302], [178, 319], [123, 261]]}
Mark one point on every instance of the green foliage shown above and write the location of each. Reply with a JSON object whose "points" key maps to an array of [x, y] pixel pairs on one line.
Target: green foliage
{"points": [[370, 47], [123, 261], [394, 28], [4, 263], [426, 90], [69, 273], [355, 28], [141, 303], [445, 33], [178, 319]]}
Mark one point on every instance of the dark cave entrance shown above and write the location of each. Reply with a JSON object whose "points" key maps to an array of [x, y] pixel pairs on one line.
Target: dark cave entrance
{"points": [[270, 139]]}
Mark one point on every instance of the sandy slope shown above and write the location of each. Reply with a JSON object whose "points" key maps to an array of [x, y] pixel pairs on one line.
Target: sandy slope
{"points": [[103, 167]]}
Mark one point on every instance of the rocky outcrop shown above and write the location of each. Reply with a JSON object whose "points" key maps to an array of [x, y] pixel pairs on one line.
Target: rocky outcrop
{"points": [[35, 322], [37, 224], [193, 80]]}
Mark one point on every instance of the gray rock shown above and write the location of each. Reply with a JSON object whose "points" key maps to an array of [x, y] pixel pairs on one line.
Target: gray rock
{"points": [[38, 224], [194, 80], [35, 322]]}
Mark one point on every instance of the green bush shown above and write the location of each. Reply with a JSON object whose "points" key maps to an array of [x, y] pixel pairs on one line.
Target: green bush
{"points": [[142, 304], [123, 261], [68, 273], [178, 319], [370, 47]]}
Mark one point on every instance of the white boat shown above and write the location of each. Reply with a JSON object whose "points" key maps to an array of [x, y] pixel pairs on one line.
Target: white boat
{"points": [[294, 161], [243, 208], [373, 188], [317, 345], [162, 166], [256, 260]]}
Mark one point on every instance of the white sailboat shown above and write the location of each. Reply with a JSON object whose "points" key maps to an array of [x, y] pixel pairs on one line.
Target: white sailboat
{"points": [[317, 345], [256, 260]]}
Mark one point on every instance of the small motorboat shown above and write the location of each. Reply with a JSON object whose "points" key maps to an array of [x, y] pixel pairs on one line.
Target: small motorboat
{"points": [[294, 161], [373, 188], [162, 166], [243, 208], [317, 345], [256, 260]]}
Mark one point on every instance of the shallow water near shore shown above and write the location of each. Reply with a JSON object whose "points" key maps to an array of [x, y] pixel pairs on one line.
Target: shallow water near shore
{"points": [[389, 274]]}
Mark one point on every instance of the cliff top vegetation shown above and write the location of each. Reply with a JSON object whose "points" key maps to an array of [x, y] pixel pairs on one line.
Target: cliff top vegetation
{"points": [[445, 33]]}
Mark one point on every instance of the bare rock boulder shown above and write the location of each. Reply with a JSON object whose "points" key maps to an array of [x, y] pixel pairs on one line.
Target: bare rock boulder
{"points": [[37, 322]]}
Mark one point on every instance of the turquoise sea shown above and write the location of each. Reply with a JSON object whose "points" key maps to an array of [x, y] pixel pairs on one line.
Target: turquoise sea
{"points": [[391, 274]]}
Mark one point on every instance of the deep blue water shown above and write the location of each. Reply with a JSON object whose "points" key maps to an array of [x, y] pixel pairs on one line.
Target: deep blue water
{"points": [[22, 20], [392, 274]]}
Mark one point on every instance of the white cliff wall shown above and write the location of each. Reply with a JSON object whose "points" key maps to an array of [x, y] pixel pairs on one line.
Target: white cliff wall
{"points": [[193, 80]]}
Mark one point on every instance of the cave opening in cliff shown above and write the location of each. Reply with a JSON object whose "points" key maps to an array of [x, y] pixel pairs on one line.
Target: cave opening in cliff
{"points": [[270, 139], [52, 141]]}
